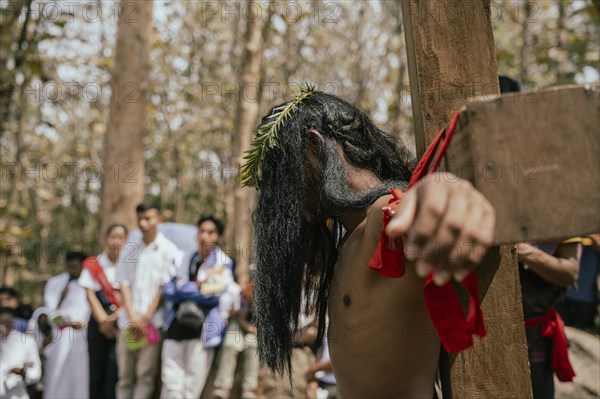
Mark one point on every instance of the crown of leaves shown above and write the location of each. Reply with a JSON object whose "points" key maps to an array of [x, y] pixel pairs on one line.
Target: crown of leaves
{"points": [[266, 137]]}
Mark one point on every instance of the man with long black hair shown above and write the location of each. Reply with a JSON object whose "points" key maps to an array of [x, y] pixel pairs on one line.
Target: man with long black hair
{"points": [[323, 172]]}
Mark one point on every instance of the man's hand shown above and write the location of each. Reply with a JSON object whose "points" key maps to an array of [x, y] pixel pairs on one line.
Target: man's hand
{"points": [[310, 374], [446, 225], [18, 371], [138, 326], [108, 328], [306, 336], [74, 324], [525, 251]]}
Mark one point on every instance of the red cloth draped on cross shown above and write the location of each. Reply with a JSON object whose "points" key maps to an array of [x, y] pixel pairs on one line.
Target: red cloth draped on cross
{"points": [[454, 329]]}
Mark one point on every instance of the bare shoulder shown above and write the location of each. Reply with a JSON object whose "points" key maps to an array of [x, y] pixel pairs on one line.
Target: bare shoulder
{"points": [[374, 221]]}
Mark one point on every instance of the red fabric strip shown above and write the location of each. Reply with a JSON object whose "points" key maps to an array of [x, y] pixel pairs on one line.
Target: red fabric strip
{"points": [[454, 329], [385, 258], [552, 326], [93, 266]]}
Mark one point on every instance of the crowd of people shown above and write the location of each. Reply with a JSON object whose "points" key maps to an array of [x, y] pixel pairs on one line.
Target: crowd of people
{"points": [[146, 318], [143, 319]]}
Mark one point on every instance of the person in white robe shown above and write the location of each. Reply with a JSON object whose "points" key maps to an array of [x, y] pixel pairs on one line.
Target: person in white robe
{"points": [[19, 360], [67, 361]]}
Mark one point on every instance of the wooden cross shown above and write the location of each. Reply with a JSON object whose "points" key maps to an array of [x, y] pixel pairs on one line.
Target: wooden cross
{"points": [[535, 157]]}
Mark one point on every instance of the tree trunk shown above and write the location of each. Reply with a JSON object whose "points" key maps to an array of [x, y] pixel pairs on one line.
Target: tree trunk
{"points": [[123, 183], [247, 116]]}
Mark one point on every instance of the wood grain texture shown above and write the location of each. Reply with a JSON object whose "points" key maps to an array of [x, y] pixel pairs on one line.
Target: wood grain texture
{"points": [[536, 158], [452, 60], [496, 366]]}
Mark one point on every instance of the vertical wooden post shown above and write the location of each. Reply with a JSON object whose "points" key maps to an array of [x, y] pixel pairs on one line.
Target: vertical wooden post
{"points": [[451, 58]]}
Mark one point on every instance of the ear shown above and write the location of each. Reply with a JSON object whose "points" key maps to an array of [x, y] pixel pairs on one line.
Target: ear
{"points": [[315, 141]]}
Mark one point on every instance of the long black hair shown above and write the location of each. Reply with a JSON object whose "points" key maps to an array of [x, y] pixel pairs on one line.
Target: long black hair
{"points": [[295, 257]]}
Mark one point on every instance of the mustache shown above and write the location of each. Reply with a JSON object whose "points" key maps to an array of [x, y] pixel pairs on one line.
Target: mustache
{"points": [[336, 189]]}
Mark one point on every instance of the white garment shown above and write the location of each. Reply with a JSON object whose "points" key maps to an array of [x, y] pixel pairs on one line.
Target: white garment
{"points": [[110, 271], [75, 303], [17, 350], [67, 360], [33, 329], [230, 302], [185, 367], [216, 258], [230, 296], [145, 268], [186, 363]]}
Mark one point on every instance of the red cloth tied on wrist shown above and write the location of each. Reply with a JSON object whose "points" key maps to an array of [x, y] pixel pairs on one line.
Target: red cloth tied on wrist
{"points": [[387, 254], [454, 329], [553, 327]]}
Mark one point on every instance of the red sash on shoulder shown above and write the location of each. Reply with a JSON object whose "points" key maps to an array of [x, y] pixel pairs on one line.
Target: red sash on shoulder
{"points": [[446, 312], [93, 266], [553, 327]]}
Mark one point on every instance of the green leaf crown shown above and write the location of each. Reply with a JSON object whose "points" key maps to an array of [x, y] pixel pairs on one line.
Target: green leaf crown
{"points": [[266, 137]]}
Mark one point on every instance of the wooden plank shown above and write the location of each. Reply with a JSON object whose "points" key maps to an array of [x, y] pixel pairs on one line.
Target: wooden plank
{"points": [[535, 157], [479, 372], [452, 59]]}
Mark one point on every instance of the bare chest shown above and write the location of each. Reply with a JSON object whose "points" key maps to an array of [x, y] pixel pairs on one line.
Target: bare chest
{"points": [[377, 327]]}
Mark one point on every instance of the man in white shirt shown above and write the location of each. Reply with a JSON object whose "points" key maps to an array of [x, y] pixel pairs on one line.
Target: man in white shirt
{"points": [[67, 361], [144, 266], [19, 360]]}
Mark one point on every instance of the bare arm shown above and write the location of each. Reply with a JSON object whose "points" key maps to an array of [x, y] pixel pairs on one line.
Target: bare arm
{"points": [[97, 310], [153, 306], [106, 322], [561, 269], [321, 365], [126, 293], [246, 327], [307, 335]]}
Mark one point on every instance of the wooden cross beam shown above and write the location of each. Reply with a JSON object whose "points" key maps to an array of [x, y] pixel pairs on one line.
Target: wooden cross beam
{"points": [[540, 148]]}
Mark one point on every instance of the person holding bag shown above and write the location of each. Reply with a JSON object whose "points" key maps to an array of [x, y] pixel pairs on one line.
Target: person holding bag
{"points": [[144, 267], [196, 316]]}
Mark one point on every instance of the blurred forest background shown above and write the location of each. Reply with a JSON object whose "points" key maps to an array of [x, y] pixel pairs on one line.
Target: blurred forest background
{"points": [[58, 61]]}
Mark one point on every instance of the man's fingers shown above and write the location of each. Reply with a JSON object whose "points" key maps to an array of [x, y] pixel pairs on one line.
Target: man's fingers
{"points": [[471, 246], [433, 201], [446, 227], [437, 249], [405, 214]]}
